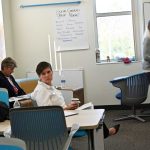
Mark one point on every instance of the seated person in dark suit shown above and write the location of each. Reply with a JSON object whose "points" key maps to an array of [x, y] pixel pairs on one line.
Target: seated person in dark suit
{"points": [[7, 80]]}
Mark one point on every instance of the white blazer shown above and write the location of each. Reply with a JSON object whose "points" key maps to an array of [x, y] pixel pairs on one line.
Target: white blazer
{"points": [[46, 95]]}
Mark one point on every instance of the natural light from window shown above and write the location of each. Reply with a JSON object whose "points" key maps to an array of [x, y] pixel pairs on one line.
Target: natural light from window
{"points": [[104, 6], [115, 29], [2, 41]]}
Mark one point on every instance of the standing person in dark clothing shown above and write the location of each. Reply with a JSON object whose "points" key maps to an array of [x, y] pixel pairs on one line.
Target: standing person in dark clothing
{"points": [[146, 51], [146, 48], [7, 80]]}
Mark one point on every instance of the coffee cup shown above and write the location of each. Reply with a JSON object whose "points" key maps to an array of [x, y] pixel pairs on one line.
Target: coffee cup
{"points": [[76, 100]]}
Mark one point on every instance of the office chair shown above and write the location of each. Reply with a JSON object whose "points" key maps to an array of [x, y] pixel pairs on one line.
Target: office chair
{"points": [[42, 128], [134, 90], [4, 96], [12, 144]]}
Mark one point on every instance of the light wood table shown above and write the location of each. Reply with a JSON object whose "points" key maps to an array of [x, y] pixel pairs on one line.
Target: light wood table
{"points": [[88, 120]]}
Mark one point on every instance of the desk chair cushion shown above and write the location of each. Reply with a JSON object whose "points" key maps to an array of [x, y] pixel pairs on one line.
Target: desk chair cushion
{"points": [[10, 147], [12, 144], [80, 133], [4, 96], [119, 95]]}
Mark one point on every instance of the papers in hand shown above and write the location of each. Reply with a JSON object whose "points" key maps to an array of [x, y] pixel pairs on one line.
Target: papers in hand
{"points": [[12, 99], [86, 106]]}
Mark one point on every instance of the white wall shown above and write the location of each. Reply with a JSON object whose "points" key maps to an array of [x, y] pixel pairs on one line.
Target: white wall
{"points": [[30, 28]]}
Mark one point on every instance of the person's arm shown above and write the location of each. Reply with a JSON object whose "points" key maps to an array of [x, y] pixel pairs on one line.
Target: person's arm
{"points": [[71, 106], [2, 83], [20, 90], [41, 97], [146, 49], [5, 84]]}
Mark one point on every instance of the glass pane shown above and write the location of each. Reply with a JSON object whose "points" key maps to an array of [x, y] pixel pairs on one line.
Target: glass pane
{"points": [[2, 41], [115, 37], [103, 6]]}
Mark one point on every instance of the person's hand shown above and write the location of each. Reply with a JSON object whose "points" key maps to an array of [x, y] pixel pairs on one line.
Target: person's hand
{"points": [[73, 105]]}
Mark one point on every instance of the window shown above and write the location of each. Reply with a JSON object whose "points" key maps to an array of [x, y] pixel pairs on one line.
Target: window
{"points": [[115, 29], [2, 41]]}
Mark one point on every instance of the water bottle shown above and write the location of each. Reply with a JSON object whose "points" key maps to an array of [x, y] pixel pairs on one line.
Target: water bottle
{"points": [[63, 81], [97, 56], [16, 104]]}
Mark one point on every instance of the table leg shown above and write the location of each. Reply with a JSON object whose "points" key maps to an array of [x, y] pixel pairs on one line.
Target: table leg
{"points": [[96, 139], [90, 139]]}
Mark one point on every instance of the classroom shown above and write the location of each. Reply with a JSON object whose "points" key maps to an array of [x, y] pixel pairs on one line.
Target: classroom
{"points": [[89, 43]]}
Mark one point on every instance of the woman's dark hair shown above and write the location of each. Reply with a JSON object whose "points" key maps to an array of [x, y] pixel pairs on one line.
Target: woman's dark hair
{"points": [[41, 66], [8, 62]]}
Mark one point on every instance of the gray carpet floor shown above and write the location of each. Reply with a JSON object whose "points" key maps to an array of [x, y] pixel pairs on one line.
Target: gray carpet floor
{"points": [[133, 134]]}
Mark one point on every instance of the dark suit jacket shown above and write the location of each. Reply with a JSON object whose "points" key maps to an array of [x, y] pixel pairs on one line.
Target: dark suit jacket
{"points": [[4, 83]]}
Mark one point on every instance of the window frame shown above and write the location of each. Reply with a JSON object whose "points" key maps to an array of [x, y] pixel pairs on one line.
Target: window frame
{"points": [[136, 6], [3, 33]]}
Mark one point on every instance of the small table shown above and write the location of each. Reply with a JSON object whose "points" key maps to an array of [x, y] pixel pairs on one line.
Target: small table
{"points": [[89, 120]]}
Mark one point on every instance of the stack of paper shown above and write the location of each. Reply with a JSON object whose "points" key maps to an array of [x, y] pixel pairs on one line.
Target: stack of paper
{"points": [[86, 106]]}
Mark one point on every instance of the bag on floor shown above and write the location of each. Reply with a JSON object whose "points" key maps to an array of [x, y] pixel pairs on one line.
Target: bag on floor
{"points": [[4, 111]]}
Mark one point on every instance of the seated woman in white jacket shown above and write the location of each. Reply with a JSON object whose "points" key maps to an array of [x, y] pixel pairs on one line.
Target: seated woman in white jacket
{"points": [[45, 94]]}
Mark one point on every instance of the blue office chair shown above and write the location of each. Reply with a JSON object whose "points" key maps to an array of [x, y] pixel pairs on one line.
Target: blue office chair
{"points": [[12, 144], [134, 90], [4, 96], [42, 128]]}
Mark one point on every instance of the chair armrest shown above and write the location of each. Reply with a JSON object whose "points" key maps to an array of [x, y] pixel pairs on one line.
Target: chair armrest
{"points": [[74, 129], [118, 79], [119, 82]]}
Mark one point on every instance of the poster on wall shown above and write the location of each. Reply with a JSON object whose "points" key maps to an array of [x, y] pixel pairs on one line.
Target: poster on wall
{"points": [[70, 29]]}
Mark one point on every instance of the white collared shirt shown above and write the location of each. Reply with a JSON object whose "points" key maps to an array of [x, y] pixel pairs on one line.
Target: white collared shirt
{"points": [[46, 95]]}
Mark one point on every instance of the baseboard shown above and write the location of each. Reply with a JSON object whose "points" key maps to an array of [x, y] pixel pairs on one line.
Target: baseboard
{"points": [[121, 107]]}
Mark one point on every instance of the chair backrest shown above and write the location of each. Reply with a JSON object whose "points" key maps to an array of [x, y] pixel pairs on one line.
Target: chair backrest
{"points": [[27, 84], [4, 96], [134, 89], [12, 144], [42, 128]]}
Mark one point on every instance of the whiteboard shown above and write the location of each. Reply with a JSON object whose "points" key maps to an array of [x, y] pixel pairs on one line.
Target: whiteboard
{"points": [[146, 13], [73, 77]]}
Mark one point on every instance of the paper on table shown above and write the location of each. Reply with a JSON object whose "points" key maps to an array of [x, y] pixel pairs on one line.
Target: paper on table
{"points": [[86, 106], [70, 113], [12, 99]]}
